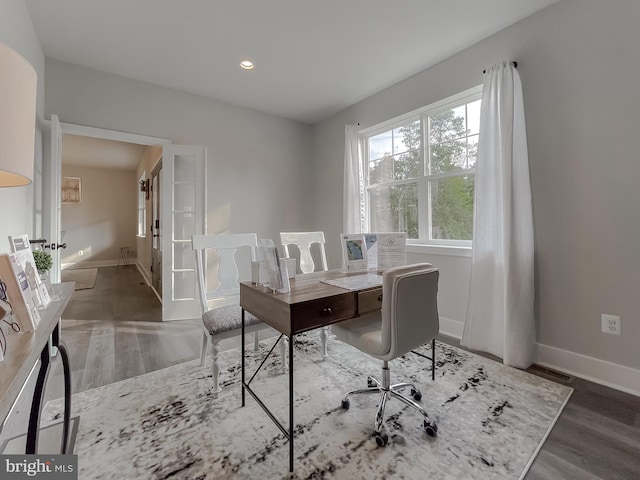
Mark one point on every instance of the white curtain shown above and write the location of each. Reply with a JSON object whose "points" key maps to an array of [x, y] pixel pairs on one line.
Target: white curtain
{"points": [[500, 317], [353, 194]]}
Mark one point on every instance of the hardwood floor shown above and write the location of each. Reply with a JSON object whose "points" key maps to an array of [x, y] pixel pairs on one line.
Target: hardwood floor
{"points": [[597, 436], [120, 293], [114, 331]]}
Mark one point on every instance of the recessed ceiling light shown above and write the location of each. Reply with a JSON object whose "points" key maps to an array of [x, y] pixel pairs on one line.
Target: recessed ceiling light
{"points": [[247, 64]]}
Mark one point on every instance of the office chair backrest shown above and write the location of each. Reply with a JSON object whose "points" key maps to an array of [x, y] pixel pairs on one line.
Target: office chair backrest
{"points": [[221, 271], [304, 240], [409, 307]]}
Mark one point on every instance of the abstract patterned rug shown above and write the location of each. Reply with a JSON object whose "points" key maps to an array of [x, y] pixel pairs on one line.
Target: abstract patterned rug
{"points": [[492, 420]]}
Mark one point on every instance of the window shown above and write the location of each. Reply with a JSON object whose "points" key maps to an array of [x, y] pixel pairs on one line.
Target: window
{"points": [[420, 171], [142, 210]]}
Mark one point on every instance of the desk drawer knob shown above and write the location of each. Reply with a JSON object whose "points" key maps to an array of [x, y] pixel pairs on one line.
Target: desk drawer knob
{"points": [[327, 311], [380, 297]]}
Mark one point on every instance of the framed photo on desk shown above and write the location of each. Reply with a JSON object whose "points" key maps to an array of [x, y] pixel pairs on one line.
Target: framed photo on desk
{"points": [[354, 253]]}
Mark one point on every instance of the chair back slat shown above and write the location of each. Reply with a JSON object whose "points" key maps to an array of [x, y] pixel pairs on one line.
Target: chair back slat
{"points": [[228, 273], [304, 240], [217, 265]]}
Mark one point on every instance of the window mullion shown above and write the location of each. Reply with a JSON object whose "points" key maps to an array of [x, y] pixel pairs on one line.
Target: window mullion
{"points": [[425, 204]]}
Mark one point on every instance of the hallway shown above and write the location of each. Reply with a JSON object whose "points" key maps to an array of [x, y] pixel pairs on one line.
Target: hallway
{"points": [[115, 331]]}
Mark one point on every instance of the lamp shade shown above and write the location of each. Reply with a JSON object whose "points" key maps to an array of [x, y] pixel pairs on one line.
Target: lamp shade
{"points": [[18, 86]]}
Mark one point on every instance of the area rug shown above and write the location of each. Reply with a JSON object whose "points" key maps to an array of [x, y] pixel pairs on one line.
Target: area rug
{"points": [[85, 278], [492, 420]]}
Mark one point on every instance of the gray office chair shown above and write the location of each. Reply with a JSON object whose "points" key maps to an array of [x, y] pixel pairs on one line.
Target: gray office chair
{"points": [[408, 319], [220, 291]]}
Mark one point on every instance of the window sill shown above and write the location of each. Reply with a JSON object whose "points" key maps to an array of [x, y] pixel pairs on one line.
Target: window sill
{"points": [[448, 250]]}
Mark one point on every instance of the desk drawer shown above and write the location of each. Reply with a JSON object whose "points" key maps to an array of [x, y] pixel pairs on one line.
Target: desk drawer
{"points": [[369, 301], [324, 311]]}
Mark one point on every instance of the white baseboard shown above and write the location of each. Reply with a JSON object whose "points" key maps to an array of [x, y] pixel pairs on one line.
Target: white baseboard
{"points": [[144, 274], [602, 372], [451, 328], [620, 377]]}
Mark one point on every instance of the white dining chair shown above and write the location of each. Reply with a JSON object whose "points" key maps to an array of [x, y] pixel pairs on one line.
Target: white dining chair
{"points": [[306, 264], [219, 290]]}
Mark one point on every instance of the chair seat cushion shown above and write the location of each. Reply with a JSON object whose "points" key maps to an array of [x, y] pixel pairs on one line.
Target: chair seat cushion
{"points": [[225, 318], [363, 333]]}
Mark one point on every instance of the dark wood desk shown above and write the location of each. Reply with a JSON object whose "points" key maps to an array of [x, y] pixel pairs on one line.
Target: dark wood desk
{"points": [[23, 352], [309, 305]]}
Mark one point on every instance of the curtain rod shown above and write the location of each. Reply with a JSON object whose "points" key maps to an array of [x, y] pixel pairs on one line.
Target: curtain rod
{"points": [[515, 65]]}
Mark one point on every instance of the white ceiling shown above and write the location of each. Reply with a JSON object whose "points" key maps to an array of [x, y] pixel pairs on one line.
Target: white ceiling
{"points": [[313, 58], [100, 153]]}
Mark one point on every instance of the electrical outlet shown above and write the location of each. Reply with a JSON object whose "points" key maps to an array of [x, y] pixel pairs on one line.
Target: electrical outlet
{"points": [[611, 324]]}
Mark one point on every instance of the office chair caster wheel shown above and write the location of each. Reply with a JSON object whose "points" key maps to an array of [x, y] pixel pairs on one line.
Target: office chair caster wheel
{"points": [[346, 404], [370, 382], [431, 428], [416, 394], [382, 439]]}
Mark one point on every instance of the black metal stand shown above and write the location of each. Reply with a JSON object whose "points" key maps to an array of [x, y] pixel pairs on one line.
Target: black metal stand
{"points": [[38, 394], [432, 358], [64, 356], [288, 434]]}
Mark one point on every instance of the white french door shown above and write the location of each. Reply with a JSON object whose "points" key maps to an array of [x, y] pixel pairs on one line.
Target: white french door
{"points": [[182, 214]]}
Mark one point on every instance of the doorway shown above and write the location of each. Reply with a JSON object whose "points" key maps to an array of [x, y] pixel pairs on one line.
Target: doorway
{"points": [[99, 225], [182, 210]]}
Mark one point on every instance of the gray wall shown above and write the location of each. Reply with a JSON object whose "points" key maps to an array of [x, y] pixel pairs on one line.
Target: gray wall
{"points": [[105, 220], [258, 165], [23, 216], [580, 66]]}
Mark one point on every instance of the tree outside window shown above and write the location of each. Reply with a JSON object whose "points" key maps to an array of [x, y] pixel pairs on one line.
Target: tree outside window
{"points": [[421, 173]]}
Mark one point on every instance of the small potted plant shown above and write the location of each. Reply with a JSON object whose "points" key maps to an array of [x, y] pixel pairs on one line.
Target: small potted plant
{"points": [[43, 261]]}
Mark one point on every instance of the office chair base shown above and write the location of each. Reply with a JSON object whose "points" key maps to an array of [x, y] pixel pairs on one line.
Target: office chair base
{"points": [[431, 427], [386, 391], [381, 439]]}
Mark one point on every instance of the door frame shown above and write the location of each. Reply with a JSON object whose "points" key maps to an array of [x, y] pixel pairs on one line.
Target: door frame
{"points": [[156, 241], [55, 168]]}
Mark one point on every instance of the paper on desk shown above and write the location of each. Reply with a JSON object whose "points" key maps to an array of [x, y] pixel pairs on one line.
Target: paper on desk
{"points": [[357, 282]]}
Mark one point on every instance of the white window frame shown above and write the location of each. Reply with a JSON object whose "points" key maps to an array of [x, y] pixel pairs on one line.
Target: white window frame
{"points": [[142, 207], [423, 244]]}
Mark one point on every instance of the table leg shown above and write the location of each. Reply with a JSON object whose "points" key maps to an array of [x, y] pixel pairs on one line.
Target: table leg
{"points": [[242, 351], [291, 424], [433, 359], [67, 397], [36, 403]]}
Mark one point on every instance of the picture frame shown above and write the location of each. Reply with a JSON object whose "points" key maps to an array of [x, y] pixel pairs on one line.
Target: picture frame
{"points": [[71, 190], [354, 253]]}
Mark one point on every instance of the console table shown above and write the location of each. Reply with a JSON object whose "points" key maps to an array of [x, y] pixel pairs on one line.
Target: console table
{"points": [[23, 352]]}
